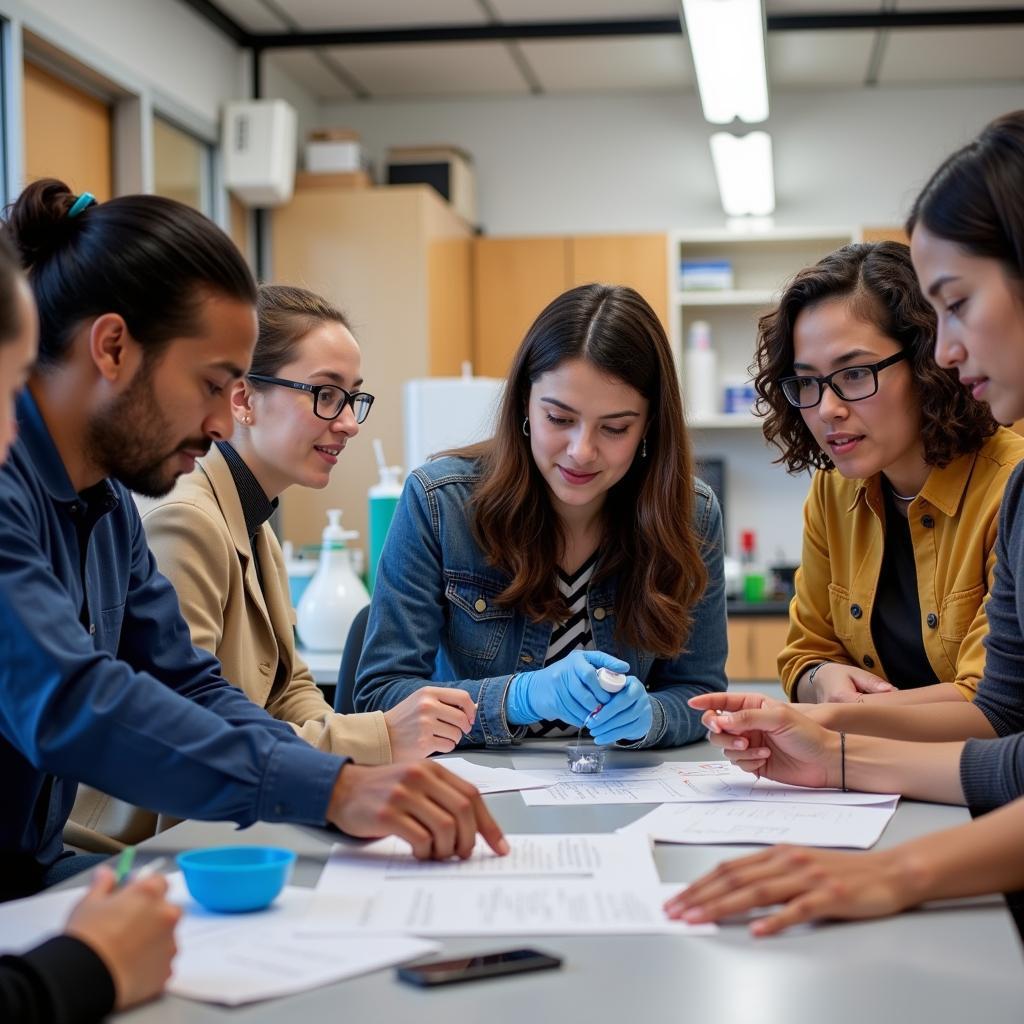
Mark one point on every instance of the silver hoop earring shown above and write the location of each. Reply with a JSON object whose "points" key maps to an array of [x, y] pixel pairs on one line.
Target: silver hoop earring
{"points": [[643, 448], [526, 427]]}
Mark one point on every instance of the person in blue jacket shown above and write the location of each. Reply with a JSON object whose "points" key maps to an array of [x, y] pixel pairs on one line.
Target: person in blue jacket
{"points": [[576, 538], [116, 948], [147, 316]]}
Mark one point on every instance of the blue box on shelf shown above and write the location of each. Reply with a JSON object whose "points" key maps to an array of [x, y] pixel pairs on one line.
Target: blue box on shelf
{"points": [[705, 275]]}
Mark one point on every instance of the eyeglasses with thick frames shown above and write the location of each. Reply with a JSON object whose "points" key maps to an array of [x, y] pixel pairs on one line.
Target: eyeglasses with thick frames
{"points": [[851, 383], [329, 400]]}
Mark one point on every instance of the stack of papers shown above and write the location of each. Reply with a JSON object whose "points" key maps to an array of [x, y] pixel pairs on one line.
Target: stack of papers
{"points": [[231, 958], [547, 885]]}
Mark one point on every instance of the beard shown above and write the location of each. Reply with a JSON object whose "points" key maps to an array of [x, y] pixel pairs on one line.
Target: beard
{"points": [[133, 441]]}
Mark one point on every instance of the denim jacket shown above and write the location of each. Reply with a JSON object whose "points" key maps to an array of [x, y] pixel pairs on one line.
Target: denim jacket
{"points": [[434, 621]]}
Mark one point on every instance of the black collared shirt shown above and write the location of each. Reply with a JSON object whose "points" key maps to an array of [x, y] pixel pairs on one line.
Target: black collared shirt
{"points": [[257, 508]]}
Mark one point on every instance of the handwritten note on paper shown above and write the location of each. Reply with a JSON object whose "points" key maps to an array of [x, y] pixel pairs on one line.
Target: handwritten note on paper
{"points": [[751, 821]]}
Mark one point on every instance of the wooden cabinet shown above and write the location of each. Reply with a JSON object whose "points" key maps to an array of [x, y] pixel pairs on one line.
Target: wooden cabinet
{"points": [[754, 645], [397, 261], [68, 134], [515, 278]]}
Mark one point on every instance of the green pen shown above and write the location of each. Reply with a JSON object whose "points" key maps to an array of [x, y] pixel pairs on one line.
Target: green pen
{"points": [[124, 865]]}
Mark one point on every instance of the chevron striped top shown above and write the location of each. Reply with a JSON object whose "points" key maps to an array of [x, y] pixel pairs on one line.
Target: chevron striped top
{"points": [[571, 635]]}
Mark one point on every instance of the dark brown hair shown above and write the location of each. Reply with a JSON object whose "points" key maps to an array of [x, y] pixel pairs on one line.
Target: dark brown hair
{"points": [[649, 536], [974, 198], [150, 259], [877, 280], [286, 315]]}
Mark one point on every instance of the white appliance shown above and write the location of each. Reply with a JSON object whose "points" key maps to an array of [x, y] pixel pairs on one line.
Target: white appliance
{"points": [[258, 142], [446, 412]]}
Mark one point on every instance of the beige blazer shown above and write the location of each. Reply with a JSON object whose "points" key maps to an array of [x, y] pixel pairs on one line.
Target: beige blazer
{"points": [[197, 534]]}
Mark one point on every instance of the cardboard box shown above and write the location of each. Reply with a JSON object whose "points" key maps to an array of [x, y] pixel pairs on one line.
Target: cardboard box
{"points": [[447, 168], [345, 179], [333, 150]]}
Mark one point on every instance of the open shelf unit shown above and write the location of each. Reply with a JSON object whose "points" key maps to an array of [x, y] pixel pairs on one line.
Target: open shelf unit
{"points": [[758, 494]]}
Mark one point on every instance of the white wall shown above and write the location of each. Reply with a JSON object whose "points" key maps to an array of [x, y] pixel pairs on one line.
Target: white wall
{"points": [[555, 164]]}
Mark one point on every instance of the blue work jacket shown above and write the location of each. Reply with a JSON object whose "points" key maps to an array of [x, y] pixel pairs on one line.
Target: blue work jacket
{"points": [[100, 683]]}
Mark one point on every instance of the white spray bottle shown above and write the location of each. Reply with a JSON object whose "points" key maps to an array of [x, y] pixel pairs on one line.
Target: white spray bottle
{"points": [[335, 593]]}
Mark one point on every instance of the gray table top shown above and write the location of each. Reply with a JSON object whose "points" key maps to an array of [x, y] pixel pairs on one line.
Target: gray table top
{"points": [[941, 963]]}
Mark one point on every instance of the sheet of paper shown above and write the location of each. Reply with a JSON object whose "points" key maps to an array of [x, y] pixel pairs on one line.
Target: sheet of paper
{"points": [[548, 885], [752, 821], [685, 782], [744, 786], [660, 784], [25, 923], [489, 779], [596, 858], [266, 960], [480, 907], [229, 958]]}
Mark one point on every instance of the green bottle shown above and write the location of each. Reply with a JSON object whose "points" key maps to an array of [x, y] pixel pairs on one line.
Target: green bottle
{"points": [[383, 501]]}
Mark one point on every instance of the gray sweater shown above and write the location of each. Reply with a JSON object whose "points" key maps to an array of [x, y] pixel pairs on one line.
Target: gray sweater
{"points": [[992, 771]]}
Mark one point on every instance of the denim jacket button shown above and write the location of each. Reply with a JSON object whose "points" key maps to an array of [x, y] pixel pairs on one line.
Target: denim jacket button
{"points": [[526, 658], [480, 605], [599, 614]]}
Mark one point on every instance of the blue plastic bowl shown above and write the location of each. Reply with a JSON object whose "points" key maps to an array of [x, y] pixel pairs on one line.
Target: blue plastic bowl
{"points": [[232, 879]]}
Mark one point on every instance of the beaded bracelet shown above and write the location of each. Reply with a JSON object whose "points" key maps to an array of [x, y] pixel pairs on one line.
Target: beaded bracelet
{"points": [[842, 761]]}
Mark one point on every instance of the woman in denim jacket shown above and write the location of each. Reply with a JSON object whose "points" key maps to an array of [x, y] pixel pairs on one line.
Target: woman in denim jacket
{"points": [[575, 538]]}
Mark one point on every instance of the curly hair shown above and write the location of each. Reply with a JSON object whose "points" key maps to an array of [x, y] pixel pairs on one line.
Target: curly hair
{"points": [[877, 279]]}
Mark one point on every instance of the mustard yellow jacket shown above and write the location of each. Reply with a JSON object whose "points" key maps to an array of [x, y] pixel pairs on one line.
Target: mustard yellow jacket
{"points": [[953, 528], [197, 534]]}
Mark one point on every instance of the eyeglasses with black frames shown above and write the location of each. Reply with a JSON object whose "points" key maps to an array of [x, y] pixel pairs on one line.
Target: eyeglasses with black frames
{"points": [[329, 400], [851, 383]]}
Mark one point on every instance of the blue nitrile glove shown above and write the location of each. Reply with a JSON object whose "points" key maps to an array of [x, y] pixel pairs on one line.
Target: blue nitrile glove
{"points": [[568, 689], [627, 715]]}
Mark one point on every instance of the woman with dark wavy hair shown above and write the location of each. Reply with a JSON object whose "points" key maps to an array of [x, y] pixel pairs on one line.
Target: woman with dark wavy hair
{"points": [[900, 522], [575, 538], [967, 240]]}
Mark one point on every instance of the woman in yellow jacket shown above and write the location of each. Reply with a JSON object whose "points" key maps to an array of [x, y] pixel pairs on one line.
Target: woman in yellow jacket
{"points": [[295, 412], [900, 522]]}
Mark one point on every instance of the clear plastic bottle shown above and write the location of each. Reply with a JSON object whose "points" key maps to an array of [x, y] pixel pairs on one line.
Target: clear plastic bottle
{"points": [[335, 593], [701, 373]]}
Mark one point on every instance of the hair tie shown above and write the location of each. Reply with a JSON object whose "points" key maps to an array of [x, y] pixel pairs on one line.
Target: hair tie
{"points": [[83, 202]]}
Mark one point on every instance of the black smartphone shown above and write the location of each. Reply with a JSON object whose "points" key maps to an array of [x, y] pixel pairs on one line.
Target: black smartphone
{"points": [[469, 968]]}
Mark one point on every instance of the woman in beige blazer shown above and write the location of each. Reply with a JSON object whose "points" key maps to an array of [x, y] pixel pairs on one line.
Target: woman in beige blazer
{"points": [[295, 412]]}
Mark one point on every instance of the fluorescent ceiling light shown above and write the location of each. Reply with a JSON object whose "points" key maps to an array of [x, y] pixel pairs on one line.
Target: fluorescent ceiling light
{"points": [[743, 167], [727, 42]]}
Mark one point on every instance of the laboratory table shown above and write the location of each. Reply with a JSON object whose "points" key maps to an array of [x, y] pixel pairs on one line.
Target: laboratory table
{"points": [[956, 962]]}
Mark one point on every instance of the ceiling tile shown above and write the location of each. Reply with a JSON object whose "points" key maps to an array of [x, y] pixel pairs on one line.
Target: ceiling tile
{"points": [[311, 15], [252, 15], [441, 69], [584, 10], [809, 59], [953, 55], [645, 63], [304, 67]]}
